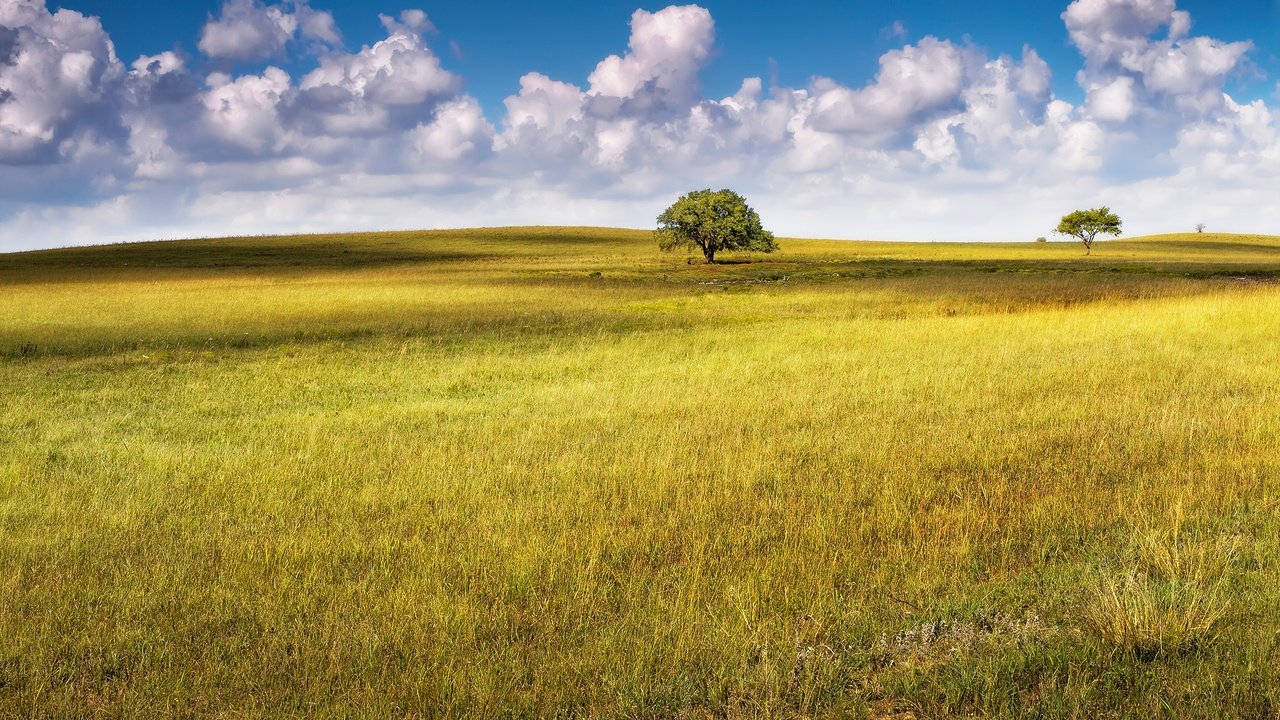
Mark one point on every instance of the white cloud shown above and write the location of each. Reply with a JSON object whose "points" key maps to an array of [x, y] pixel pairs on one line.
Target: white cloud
{"points": [[1114, 102], [351, 111], [163, 64], [1080, 150], [60, 83], [1108, 30], [248, 30], [317, 25], [410, 22], [945, 142], [544, 103], [459, 129], [392, 84], [246, 111], [660, 73], [1135, 70], [895, 31], [913, 81]]}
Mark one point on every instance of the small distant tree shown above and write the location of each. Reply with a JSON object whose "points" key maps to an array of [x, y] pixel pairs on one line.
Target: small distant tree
{"points": [[713, 221], [1085, 225], [1042, 239], [1199, 227]]}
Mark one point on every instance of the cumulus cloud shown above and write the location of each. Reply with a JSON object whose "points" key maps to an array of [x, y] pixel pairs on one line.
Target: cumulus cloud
{"points": [[544, 103], [317, 25], [1129, 67], [393, 83], [246, 111], [459, 129], [354, 110], [1114, 101], [660, 72], [410, 22], [60, 83], [248, 30], [915, 80], [165, 64], [636, 114], [945, 141]]}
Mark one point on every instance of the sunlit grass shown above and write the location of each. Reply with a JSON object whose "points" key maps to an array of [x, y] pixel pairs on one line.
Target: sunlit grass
{"points": [[1171, 598], [556, 473]]}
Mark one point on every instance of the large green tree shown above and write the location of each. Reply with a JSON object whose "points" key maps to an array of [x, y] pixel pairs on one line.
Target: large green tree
{"points": [[713, 220], [1085, 225]]}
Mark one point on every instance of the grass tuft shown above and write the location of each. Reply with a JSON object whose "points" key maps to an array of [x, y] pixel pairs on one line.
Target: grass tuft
{"points": [[1174, 598]]}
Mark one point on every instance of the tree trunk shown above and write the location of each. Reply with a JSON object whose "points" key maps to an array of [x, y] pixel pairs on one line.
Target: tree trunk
{"points": [[710, 252]]}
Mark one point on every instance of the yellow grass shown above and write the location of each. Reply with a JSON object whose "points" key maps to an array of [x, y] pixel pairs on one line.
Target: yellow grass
{"points": [[553, 472]]}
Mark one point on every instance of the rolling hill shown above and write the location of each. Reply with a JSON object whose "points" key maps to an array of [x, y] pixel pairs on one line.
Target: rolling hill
{"points": [[552, 472]]}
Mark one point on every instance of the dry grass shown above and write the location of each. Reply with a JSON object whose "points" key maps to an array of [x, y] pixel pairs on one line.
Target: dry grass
{"points": [[1173, 599], [553, 473]]}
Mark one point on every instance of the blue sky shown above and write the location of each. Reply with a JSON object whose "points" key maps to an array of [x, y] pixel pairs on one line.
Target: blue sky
{"points": [[133, 119], [842, 39]]}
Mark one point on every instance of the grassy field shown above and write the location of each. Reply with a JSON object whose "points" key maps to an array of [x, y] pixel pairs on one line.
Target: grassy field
{"points": [[554, 473]]}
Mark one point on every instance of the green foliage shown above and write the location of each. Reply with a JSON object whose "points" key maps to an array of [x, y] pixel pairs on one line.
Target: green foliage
{"points": [[713, 221], [1085, 225], [1042, 239]]}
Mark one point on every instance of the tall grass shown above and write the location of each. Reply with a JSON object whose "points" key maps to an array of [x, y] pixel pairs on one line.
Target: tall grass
{"points": [[553, 473], [1171, 599]]}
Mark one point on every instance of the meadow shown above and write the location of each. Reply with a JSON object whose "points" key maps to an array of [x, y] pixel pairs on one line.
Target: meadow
{"points": [[555, 473]]}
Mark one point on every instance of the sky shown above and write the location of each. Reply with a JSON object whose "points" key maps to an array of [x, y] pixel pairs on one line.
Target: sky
{"points": [[928, 120]]}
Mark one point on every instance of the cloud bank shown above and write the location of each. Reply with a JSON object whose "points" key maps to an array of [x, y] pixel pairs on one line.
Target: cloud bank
{"points": [[945, 142]]}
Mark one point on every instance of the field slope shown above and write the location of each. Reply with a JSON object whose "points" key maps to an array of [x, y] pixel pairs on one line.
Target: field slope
{"points": [[551, 472]]}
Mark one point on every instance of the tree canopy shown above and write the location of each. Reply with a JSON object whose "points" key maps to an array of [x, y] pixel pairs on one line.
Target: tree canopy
{"points": [[1085, 225], [713, 220]]}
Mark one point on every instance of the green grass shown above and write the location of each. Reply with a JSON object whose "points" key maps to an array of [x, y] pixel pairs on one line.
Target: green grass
{"points": [[555, 473]]}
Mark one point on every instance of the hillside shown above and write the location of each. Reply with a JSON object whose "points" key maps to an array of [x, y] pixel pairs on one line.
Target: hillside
{"points": [[239, 292], [534, 472]]}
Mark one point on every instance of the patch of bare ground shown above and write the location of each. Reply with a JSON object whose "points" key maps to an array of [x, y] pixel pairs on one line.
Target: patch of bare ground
{"points": [[1255, 280]]}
